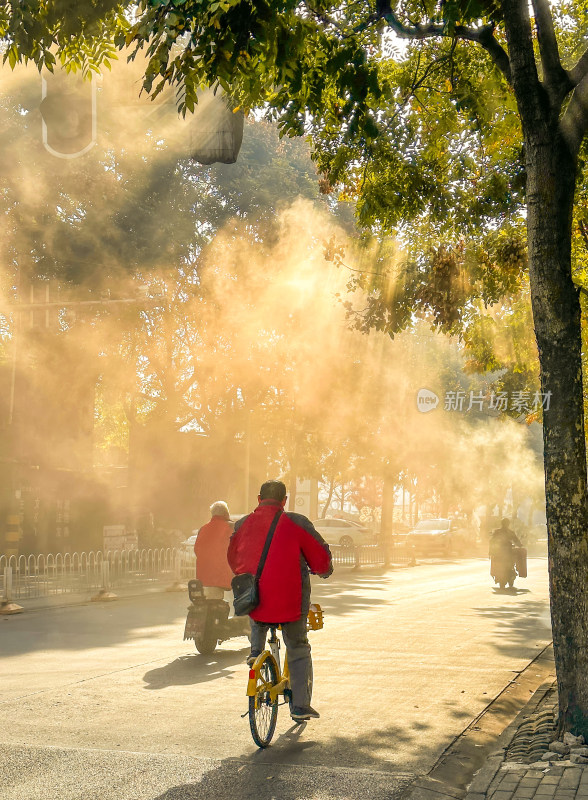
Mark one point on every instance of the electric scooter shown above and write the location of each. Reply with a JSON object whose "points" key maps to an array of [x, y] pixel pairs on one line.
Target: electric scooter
{"points": [[506, 566], [208, 622]]}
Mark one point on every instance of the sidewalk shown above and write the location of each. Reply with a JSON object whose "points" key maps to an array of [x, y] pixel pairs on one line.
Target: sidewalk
{"points": [[65, 599], [525, 762], [528, 763], [525, 768]]}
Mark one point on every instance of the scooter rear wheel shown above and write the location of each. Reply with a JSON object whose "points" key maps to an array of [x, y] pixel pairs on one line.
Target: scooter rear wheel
{"points": [[207, 640]]}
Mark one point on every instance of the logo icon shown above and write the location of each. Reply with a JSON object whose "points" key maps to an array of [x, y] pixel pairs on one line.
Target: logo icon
{"points": [[426, 400]]}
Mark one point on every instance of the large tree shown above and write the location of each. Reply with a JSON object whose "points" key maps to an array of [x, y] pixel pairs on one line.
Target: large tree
{"points": [[328, 69]]}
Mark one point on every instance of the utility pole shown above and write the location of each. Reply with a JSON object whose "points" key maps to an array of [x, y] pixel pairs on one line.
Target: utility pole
{"points": [[247, 461]]}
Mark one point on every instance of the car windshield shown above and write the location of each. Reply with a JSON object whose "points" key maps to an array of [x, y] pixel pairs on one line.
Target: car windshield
{"points": [[433, 525]]}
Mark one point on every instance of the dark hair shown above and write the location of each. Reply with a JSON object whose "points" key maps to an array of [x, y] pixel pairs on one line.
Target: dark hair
{"points": [[272, 490]]}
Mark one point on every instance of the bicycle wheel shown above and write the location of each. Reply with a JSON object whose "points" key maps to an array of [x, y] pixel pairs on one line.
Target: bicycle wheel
{"points": [[263, 713]]}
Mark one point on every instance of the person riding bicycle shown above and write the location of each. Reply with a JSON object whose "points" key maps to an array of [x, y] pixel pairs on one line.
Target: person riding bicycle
{"points": [[284, 587], [210, 547]]}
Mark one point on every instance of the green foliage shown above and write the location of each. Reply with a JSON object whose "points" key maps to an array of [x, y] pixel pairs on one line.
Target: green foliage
{"points": [[427, 143], [80, 35], [120, 209]]}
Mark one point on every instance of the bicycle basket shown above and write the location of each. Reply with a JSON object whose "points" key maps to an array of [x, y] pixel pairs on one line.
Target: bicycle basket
{"points": [[315, 618]]}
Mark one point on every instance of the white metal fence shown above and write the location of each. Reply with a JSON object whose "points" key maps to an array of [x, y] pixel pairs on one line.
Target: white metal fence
{"points": [[26, 577], [31, 577], [371, 554]]}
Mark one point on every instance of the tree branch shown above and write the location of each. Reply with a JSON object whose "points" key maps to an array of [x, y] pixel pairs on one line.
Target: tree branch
{"points": [[574, 123], [577, 73], [584, 232], [483, 36], [183, 387], [555, 77], [530, 93]]}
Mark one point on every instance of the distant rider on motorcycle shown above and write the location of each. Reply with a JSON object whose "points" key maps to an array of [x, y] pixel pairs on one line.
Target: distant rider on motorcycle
{"points": [[210, 547], [502, 560], [208, 621]]}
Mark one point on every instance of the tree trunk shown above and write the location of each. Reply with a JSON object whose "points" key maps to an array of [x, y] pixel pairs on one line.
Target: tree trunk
{"points": [[292, 492], [387, 516], [531, 513], [556, 312], [329, 497]]}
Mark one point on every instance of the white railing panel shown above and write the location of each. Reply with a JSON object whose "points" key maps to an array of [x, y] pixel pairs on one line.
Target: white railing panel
{"points": [[50, 574]]}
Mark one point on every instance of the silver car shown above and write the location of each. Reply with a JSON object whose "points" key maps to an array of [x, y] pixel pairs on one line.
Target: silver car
{"points": [[438, 537], [343, 531]]}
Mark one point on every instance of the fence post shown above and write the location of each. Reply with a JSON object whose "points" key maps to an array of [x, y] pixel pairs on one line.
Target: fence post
{"points": [[104, 595], [177, 585], [387, 548], [7, 606]]}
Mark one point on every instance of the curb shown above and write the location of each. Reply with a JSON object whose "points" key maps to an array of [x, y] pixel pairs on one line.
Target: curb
{"points": [[471, 762], [482, 779], [478, 788], [67, 600]]}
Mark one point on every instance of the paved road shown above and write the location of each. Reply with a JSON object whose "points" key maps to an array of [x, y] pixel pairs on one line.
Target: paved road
{"points": [[106, 701]]}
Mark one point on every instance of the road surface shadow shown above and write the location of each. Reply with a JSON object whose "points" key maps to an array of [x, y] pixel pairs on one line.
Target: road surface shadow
{"points": [[97, 625], [349, 591], [519, 624], [297, 766], [191, 669]]}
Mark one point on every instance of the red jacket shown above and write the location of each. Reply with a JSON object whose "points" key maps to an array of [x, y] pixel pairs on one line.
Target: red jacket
{"points": [[296, 547], [212, 567]]}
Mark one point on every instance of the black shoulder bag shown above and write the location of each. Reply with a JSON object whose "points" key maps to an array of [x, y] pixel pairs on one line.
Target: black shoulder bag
{"points": [[246, 586]]}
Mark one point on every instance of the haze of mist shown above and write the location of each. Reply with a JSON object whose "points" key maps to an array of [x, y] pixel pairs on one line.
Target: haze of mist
{"points": [[184, 337]]}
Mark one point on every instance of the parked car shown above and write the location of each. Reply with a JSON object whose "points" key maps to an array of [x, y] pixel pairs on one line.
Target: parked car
{"points": [[343, 531], [439, 537], [187, 545]]}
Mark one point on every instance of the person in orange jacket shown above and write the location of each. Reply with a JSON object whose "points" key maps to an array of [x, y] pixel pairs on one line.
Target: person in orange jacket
{"points": [[210, 547]]}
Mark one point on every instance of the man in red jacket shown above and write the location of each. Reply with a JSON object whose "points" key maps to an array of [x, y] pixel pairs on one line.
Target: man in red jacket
{"points": [[212, 542], [284, 587]]}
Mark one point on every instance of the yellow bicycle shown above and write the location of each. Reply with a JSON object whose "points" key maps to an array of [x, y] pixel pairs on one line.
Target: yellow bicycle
{"points": [[267, 682]]}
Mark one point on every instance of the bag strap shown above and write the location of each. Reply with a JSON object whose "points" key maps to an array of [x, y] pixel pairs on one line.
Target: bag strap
{"points": [[266, 546]]}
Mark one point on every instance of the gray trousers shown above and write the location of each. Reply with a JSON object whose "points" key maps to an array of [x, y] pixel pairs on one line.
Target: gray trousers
{"points": [[298, 650]]}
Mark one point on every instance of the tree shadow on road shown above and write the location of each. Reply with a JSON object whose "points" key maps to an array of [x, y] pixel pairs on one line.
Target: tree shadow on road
{"points": [[97, 625], [191, 669], [518, 624], [348, 591], [298, 767]]}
